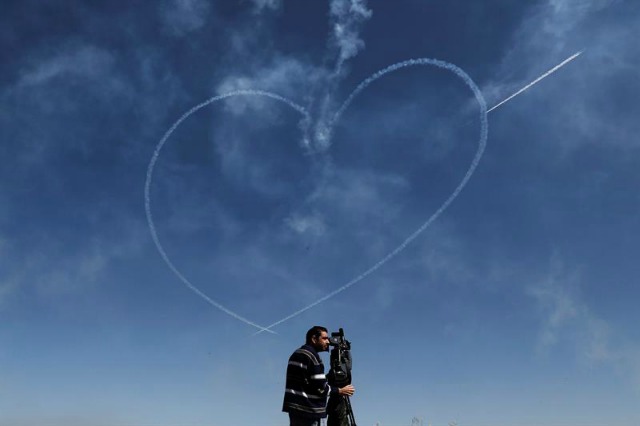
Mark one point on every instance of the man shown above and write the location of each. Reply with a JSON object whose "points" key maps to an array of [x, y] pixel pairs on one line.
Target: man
{"points": [[305, 397]]}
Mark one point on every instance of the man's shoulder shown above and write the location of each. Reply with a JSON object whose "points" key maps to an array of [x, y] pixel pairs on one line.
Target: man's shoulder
{"points": [[307, 352]]}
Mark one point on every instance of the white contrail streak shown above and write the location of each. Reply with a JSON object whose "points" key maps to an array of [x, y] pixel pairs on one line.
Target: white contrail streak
{"points": [[484, 128], [543, 76], [147, 193]]}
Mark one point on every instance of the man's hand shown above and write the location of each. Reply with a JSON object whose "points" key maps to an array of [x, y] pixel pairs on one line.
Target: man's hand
{"points": [[347, 390]]}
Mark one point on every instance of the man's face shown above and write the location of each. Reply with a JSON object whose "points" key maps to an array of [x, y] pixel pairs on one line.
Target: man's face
{"points": [[321, 343]]}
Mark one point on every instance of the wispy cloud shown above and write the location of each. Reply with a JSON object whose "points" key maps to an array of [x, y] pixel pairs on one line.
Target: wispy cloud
{"points": [[361, 193], [560, 17], [581, 91], [182, 17], [347, 17], [8, 286], [569, 321], [83, 61], [52, 89], [53, 270], [261, 5], [312, 224], [557, 298], [294, 78], [283, 75]]}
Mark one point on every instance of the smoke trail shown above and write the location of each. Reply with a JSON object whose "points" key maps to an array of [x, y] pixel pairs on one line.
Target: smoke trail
{"points": [[147, 192], [484, 128], [543, 76], [346, 19]]}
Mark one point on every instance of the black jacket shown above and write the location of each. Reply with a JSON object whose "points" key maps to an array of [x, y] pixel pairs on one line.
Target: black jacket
{"points": [[306, 389]]}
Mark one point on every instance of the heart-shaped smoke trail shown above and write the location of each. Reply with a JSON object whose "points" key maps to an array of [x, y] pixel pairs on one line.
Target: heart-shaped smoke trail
{"points": [[362, 86], [346, 18]]}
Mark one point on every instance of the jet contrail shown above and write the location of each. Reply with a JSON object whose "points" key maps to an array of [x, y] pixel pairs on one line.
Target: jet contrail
{"points": [[543, 76]]}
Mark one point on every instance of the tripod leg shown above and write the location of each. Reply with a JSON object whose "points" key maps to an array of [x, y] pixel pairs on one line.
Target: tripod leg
{"points": [[339, 410], [352, 419]]}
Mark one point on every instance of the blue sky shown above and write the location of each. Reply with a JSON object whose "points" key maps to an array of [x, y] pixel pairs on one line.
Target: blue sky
{"points": [[517, 305]]}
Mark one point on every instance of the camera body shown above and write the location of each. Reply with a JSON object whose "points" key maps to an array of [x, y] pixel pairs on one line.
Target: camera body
{"points": [[340, 373], [337, 339]]}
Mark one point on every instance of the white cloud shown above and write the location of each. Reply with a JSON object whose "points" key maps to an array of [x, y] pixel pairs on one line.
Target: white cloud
{"points": [[261, 5], [284, 76], [561, 16], [257, 271], [53, 271], [184, 16], [581, 103], [305, 84], [556, 298], [568, 320], [70, 274], [59, 80], [49, 82], [346, 18], [552, 25], [79, 93], [312, 224], [360, 193], [83, 61]]}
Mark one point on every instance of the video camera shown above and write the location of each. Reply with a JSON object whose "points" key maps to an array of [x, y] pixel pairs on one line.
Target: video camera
{"points": [[340, 373], [337, 339]]}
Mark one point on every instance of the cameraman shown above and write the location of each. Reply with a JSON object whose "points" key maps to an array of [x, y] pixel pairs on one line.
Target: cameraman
{"points": [[307, 389]]}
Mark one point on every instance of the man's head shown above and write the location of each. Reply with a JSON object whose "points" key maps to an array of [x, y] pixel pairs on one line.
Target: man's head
{"points": [[318, 337]]}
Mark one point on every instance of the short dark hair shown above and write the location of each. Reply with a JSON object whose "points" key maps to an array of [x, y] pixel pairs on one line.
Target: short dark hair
{"points": [[314, 331]]}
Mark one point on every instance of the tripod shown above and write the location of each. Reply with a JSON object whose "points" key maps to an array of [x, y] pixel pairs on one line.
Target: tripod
{"points": [[339, 408], [352, 420], [340, 411]]}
